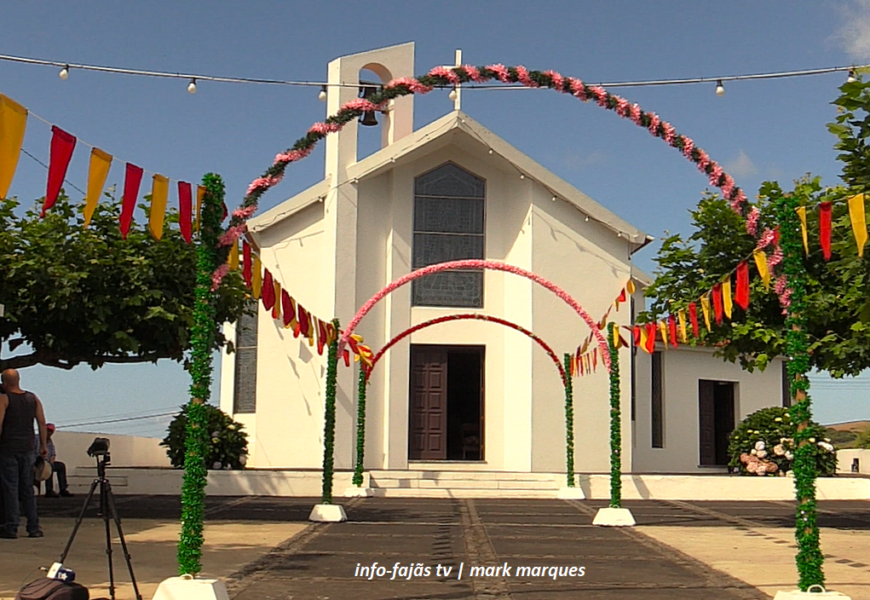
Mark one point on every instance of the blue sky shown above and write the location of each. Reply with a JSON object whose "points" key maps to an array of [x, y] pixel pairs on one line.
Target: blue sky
{"points": [[759, 130]]}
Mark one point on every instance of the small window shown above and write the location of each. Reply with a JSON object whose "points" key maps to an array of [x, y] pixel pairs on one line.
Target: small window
{"points": [[448, 225], [245, 379]]}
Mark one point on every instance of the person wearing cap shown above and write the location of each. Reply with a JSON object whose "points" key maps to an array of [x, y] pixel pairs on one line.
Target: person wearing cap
{"points": [[56, 467]]}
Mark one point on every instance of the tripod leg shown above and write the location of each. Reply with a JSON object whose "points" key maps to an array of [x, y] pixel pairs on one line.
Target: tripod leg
{"points": [[105, 510], [79, 520], [111, 499]]}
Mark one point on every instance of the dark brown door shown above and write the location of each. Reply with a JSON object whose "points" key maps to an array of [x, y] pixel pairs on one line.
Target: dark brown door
{"points": [[715, 421], [427, 431]]}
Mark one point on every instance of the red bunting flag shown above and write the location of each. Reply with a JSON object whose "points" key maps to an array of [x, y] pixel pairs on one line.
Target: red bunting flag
{"points": [[185, 209], [635, 334], [303, 317], [693, 317], [346, 356], [672, 330], [621, 296], [131, 193], [825, 229], [650, 337], [321, 337], [62, 145], [287, 308], [247, 264], [717, 302], [268, 290], [741, 294]]}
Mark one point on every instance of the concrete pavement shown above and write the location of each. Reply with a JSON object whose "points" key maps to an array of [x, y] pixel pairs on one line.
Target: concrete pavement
{"points": [[265, 548]]}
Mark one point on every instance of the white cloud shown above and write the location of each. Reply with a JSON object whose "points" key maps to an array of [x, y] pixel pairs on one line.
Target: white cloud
{"points": [[854, 34], [742, 166]]}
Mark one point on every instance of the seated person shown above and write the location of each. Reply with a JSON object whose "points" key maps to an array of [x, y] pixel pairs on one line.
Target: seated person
{"points": [[56, 467]]}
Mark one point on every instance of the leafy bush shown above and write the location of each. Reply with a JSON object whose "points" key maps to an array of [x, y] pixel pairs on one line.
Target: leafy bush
{"points": [[764, 444], [227, 447], [862, 439]]}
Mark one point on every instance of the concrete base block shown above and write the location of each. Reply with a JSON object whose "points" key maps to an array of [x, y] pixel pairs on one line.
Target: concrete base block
{"points": [[814, 592], [191, 588], [571, 493], [328, 513], [358, 492], [614, 517]]}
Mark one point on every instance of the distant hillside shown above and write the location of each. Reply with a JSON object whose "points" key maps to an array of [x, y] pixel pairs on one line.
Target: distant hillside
{"points": [[843, 435]]}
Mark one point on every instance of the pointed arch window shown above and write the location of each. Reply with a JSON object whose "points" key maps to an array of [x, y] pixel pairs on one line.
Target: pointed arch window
{"points": [[449, 211]]}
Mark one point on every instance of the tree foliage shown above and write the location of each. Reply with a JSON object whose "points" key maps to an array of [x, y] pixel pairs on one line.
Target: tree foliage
{"points": [[838, 291], [87, 296]]}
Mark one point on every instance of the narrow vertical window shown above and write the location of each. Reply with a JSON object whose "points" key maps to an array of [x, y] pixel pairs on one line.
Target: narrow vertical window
{"points": [[448, 225], [658, 424], [786, 386], [245, 379]]}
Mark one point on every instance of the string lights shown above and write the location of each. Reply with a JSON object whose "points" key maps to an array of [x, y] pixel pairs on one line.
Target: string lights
{"points": [[65, 67]]}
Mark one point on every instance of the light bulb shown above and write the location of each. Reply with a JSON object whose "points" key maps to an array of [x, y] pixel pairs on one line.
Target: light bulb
{"points": [[64, 73], [452, 95], [720, 89], [587, 218], [191, 87], [851, 78], [322, 95]]}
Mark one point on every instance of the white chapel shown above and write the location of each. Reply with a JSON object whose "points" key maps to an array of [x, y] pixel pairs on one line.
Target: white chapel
{"points": [[465, 395]]}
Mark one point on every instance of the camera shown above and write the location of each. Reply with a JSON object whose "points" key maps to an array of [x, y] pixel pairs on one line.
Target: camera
{"points": [[99, 447]]}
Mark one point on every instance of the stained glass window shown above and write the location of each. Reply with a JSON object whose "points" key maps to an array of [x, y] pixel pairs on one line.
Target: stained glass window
{"points": [[448, 225]]}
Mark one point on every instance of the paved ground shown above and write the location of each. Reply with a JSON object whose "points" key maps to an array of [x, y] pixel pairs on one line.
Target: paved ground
{"points": [[264, 548]]}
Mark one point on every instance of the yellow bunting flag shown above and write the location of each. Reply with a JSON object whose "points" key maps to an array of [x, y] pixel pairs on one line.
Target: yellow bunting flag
{"points": [[233, 258], [97, 172], [802, 214], [663, 329], [629, 286], [681, 315], [200, 192], [726, 296], [13, 122], [159, 194], [276, 310], [705, 308], [761, 263], [257, 277], [643, 337], [859, 221]]}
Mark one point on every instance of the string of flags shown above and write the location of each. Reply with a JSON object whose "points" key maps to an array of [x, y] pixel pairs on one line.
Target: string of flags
{"points": [[857, 218], [285, 309], [585, 360], [13, 124]]}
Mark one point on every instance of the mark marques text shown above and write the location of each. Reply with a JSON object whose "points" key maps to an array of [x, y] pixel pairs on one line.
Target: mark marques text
{"points": [[401, 571]]}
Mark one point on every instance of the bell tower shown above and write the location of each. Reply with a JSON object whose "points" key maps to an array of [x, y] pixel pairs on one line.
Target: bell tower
{"points": [[344, 84]]}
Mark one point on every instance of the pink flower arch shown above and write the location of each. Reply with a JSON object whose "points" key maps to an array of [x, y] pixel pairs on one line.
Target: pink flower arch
{"points": [[489, 265], [465, 317]]}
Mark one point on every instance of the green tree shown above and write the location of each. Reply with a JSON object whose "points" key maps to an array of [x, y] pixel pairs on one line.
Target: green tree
{"points": [[87, 296], [862, 440], [838, 291]]}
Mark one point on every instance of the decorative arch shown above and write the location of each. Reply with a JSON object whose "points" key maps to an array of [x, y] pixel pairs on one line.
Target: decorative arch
{"points": [[465, 317], [490, 265]]}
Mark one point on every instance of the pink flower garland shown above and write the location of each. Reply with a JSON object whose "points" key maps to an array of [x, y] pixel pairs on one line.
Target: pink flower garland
{"points": [[477, 264], [218, 276], [232, 234], [752, 221]]}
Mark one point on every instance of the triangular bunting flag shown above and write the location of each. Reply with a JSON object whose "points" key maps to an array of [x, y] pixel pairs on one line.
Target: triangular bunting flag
{"points": [[859, 221], [741, 295]]}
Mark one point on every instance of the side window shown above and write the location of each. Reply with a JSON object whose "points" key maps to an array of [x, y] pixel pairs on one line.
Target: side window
{"points": [[245, 379], [449, 205]]}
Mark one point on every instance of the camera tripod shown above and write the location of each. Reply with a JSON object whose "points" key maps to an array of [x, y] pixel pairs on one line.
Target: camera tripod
{"points": [[107, 511]]}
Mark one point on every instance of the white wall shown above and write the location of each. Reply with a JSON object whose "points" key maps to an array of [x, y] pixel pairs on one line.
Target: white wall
{"points": [[845, 458], [125, 450], [681, 370]]}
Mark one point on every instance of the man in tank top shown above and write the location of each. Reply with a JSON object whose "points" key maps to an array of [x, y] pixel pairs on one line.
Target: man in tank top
{"points": [[18, 450]]}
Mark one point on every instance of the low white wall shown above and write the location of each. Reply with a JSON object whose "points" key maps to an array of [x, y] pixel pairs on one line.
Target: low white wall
{"points": [[845, 458], [125, 450]]}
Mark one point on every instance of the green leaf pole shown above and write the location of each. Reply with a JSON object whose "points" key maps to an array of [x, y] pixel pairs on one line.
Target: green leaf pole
{"points": [[569, 422], [615, 421], [360, 427], [203, 334], [809, 557], [329, 418]]}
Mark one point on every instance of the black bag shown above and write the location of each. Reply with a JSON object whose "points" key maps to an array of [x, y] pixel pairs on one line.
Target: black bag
{"points": [[52, 589]]}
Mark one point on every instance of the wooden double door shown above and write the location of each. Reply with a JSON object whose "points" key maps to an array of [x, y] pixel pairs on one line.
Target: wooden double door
{"points": [[716, 410], [445, 413]]}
